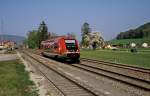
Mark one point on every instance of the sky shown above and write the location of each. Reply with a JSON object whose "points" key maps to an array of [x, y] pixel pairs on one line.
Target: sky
{"points": [[109, 17]]}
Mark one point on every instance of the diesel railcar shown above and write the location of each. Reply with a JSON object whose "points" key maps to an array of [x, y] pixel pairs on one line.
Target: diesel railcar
{"points": [[61, 47]]}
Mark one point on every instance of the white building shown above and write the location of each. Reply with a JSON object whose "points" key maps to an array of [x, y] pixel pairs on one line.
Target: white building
{"points": [[145, 45], [133, 44]]}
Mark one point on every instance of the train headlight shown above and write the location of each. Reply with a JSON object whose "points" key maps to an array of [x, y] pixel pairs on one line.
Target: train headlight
{"points": [[59, 48]]}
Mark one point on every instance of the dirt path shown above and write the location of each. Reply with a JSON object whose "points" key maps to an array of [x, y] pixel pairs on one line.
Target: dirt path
{"points": [[6, 57]]}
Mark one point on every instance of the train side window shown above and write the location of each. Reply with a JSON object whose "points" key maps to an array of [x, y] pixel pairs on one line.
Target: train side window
{"points": [[55, 45]]}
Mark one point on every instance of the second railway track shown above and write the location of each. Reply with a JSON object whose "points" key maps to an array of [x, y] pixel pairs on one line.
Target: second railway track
{"points": [[130, 71], [116, 76], [87, 76], [64, 85]]}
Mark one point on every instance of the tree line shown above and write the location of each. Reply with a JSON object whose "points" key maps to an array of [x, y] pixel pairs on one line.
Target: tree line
{"points": [[140, 32], [34, 37]]}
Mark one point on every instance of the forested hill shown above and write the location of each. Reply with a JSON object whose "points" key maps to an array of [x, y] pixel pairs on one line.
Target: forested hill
{"points": [[140, 32]]}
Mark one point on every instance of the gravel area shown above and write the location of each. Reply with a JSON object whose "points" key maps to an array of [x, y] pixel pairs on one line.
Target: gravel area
{"points": [[66, 86], [122, 70], [2, 51], [135, 81], [6, 57], [40, 81], [107, 86], [102, 84]]}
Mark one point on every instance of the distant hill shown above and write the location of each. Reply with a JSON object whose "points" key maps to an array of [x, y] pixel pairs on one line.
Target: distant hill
{"points": [[142, 31], [139, 35], [17, 39]]}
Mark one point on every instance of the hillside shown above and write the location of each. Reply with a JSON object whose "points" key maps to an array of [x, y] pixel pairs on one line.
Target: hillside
{"points": [[129, 41], [17, 39], [142, 31], [139, 35]]}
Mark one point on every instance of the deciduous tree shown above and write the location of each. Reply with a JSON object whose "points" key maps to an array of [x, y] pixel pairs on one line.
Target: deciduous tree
{"points": [[32, 39], [85, 33]]}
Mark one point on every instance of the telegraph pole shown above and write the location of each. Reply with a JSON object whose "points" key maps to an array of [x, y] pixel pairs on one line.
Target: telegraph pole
{"points": [[1, 33]]}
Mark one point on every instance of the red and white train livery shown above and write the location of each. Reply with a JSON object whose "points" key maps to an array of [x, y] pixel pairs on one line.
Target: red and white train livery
{"points": [[61, 47]]}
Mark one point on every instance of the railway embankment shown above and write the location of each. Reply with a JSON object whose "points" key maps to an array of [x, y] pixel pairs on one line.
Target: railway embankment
{"points": [[41, 83]]}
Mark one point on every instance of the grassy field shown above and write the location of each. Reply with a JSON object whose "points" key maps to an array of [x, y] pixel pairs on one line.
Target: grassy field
{"points": [[141, 58], [14, 80]]}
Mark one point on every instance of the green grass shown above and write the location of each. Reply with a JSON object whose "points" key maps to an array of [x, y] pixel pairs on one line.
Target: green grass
{"points": [[14, 80], [141, 59]]}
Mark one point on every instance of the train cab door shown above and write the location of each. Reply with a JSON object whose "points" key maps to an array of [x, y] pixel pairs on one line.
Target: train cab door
{"points": [[56, 47], [62, 47]]}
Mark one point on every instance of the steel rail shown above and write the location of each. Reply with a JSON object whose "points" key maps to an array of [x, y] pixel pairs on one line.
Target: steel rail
{"points": [[120, 65], [61, 92], [95, 93]]}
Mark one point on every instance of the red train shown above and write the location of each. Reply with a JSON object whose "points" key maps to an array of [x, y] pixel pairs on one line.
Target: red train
{"points": [[61, 47]]}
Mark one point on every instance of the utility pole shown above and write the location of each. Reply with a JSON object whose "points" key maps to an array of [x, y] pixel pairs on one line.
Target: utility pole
{"points": [[1, 33]]}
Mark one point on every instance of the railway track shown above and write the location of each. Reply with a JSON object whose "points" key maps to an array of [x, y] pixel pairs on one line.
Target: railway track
{"points": [[124, 66], [66, 86], [135, 76], [56, 90], [93, 71]]}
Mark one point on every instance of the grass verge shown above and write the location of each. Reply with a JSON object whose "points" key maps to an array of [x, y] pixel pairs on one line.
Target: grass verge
{"points": [[14, 80], [141, 59]]}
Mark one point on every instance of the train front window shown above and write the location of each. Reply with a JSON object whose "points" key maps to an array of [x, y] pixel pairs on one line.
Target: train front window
{"points": [[70, 45]]}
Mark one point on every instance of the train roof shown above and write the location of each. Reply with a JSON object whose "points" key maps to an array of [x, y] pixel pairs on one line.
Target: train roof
{"points": [[64, 36], [60, 37]]}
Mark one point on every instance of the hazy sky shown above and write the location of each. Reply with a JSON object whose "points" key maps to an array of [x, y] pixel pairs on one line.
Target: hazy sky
{"points": [[62, 16]]}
